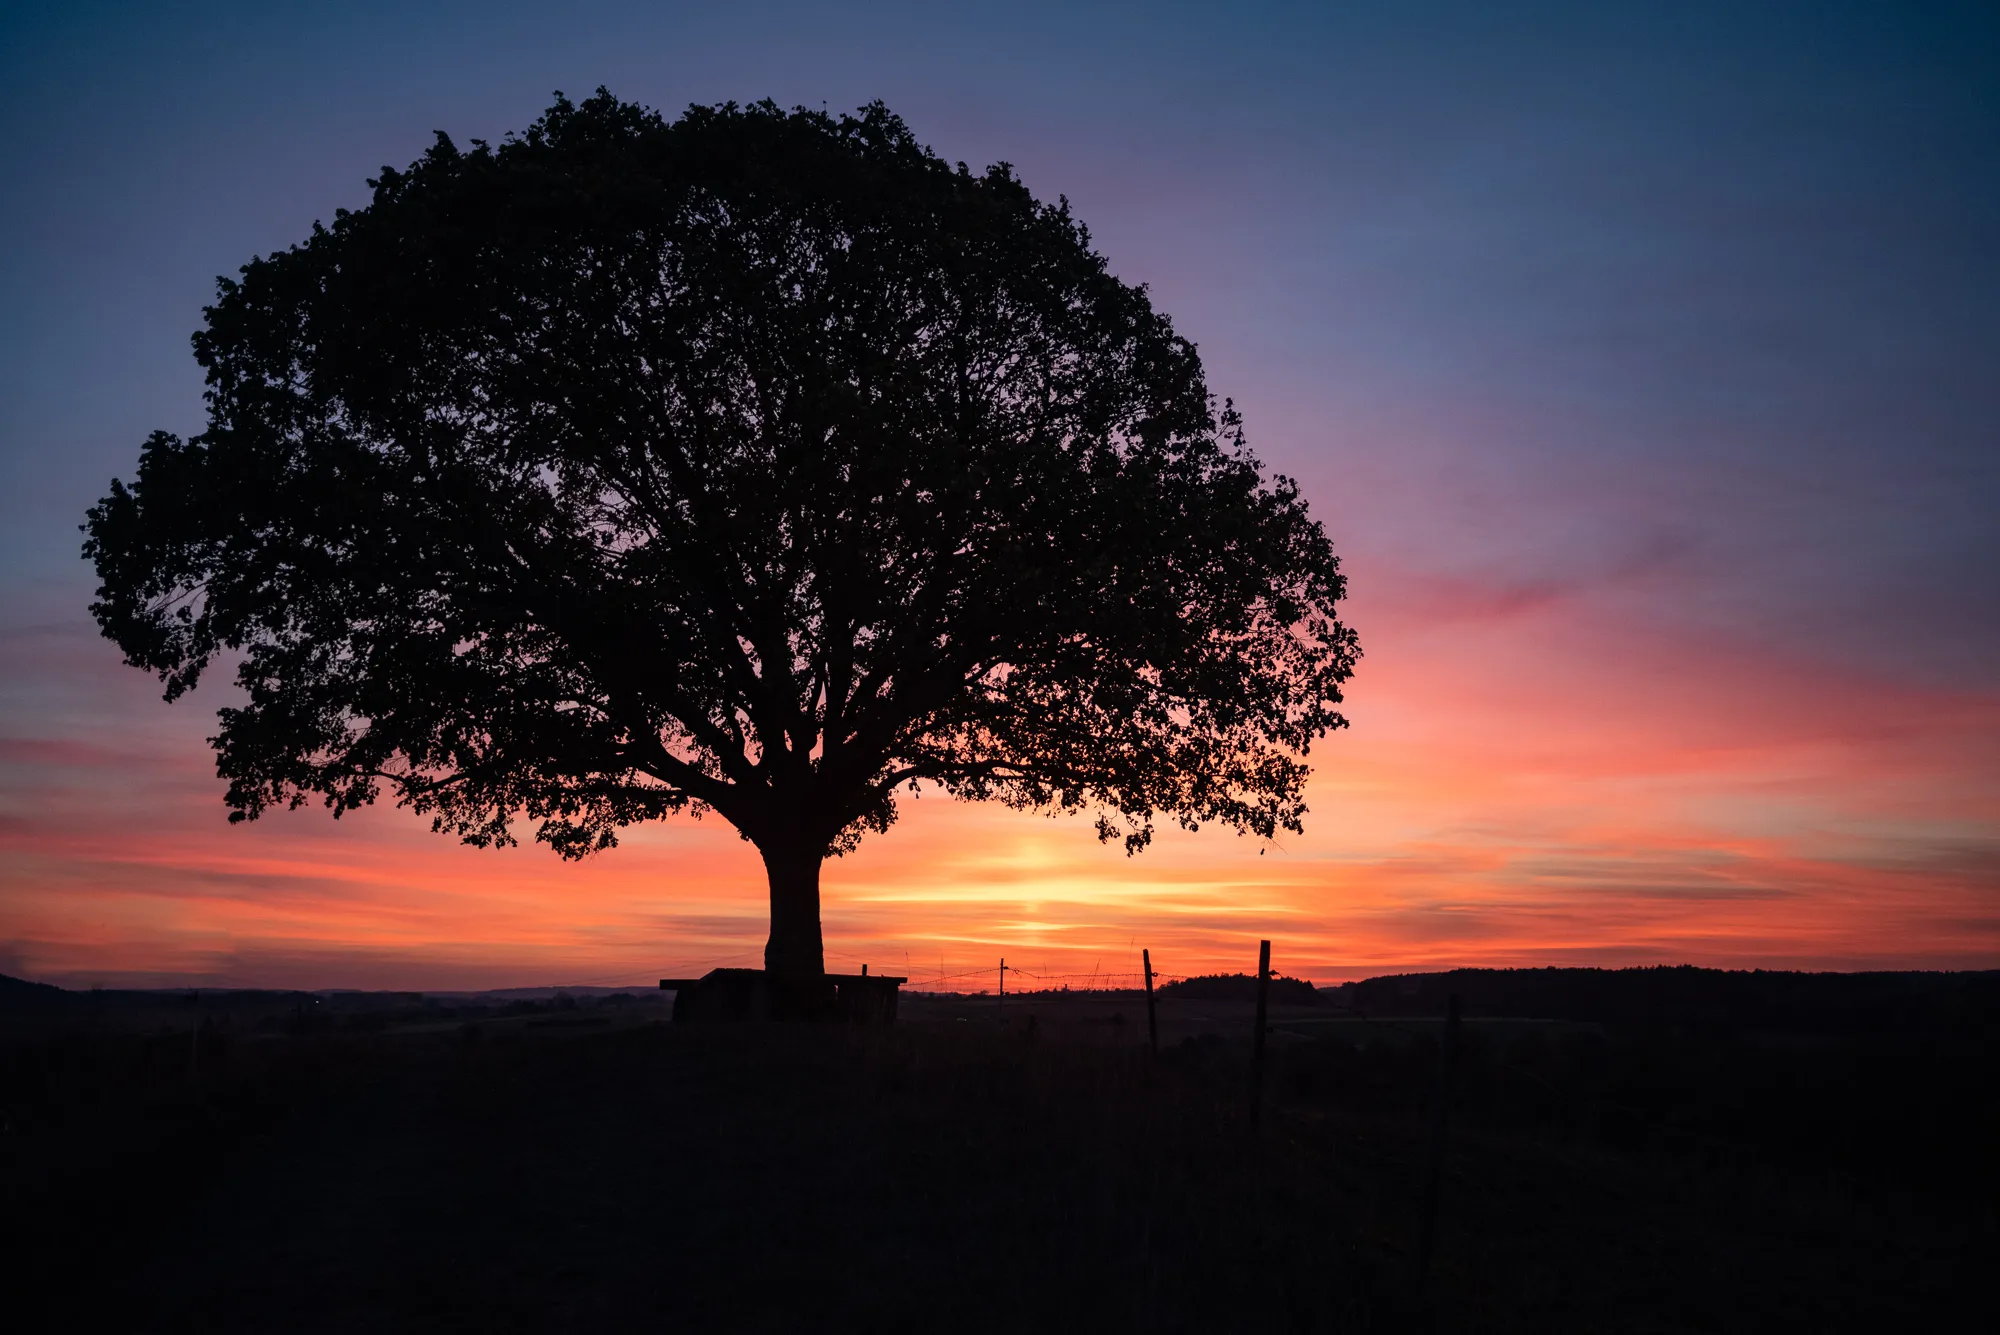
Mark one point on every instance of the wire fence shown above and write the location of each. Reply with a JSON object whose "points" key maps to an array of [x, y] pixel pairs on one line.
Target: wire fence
{"points": [[941, 979], [922, 980]]}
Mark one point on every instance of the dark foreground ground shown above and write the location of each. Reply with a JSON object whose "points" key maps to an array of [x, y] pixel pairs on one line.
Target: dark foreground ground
{"points": [[277, 1163]]}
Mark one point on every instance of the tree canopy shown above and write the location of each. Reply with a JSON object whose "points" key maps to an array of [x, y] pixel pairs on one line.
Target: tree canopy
{"points": [[756, 462]]}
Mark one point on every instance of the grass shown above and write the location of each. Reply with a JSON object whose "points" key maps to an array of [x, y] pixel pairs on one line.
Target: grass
{"points": [[587, 1167]]}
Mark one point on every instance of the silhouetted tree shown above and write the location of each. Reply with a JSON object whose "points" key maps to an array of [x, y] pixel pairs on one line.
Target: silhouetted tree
{"points": [[757, 462]]}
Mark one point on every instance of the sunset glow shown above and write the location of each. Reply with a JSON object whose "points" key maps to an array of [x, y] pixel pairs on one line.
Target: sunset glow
{"points": [[1525, 786]]}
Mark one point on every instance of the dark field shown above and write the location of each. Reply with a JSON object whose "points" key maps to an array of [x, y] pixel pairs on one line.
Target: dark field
{"points": [[385, 1163]]}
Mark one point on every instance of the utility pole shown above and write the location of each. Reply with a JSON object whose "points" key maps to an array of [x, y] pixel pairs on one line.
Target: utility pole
{"points": [[1257, 1043], [1003, 989]]}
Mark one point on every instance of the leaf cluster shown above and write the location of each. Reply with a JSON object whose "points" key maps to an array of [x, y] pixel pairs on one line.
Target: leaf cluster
{"points": [[758, 462]]}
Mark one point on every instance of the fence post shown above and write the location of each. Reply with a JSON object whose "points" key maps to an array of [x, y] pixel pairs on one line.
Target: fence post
{"points": [[1152, 1019], [1440, 1133], [1257, 1042]]}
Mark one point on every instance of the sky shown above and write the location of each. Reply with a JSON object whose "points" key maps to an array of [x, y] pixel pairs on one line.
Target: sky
{"points": [[1642, 361]]}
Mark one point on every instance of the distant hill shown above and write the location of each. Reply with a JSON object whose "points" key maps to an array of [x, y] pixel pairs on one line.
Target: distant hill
{"points": [[1667, 994], [1683, 994], [1672, 995], [18, 994]]}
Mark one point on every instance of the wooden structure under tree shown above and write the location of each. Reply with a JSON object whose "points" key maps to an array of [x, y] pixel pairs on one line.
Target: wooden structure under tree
{"points": [[752, 994]]}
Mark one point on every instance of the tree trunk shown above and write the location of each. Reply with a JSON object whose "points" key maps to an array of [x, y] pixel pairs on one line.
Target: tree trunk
{"points": [[794, 950]]}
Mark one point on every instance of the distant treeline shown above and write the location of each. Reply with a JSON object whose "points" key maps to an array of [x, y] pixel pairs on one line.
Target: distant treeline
{"points": [[1243, 987], [1670, 994], [1683, 994]]}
